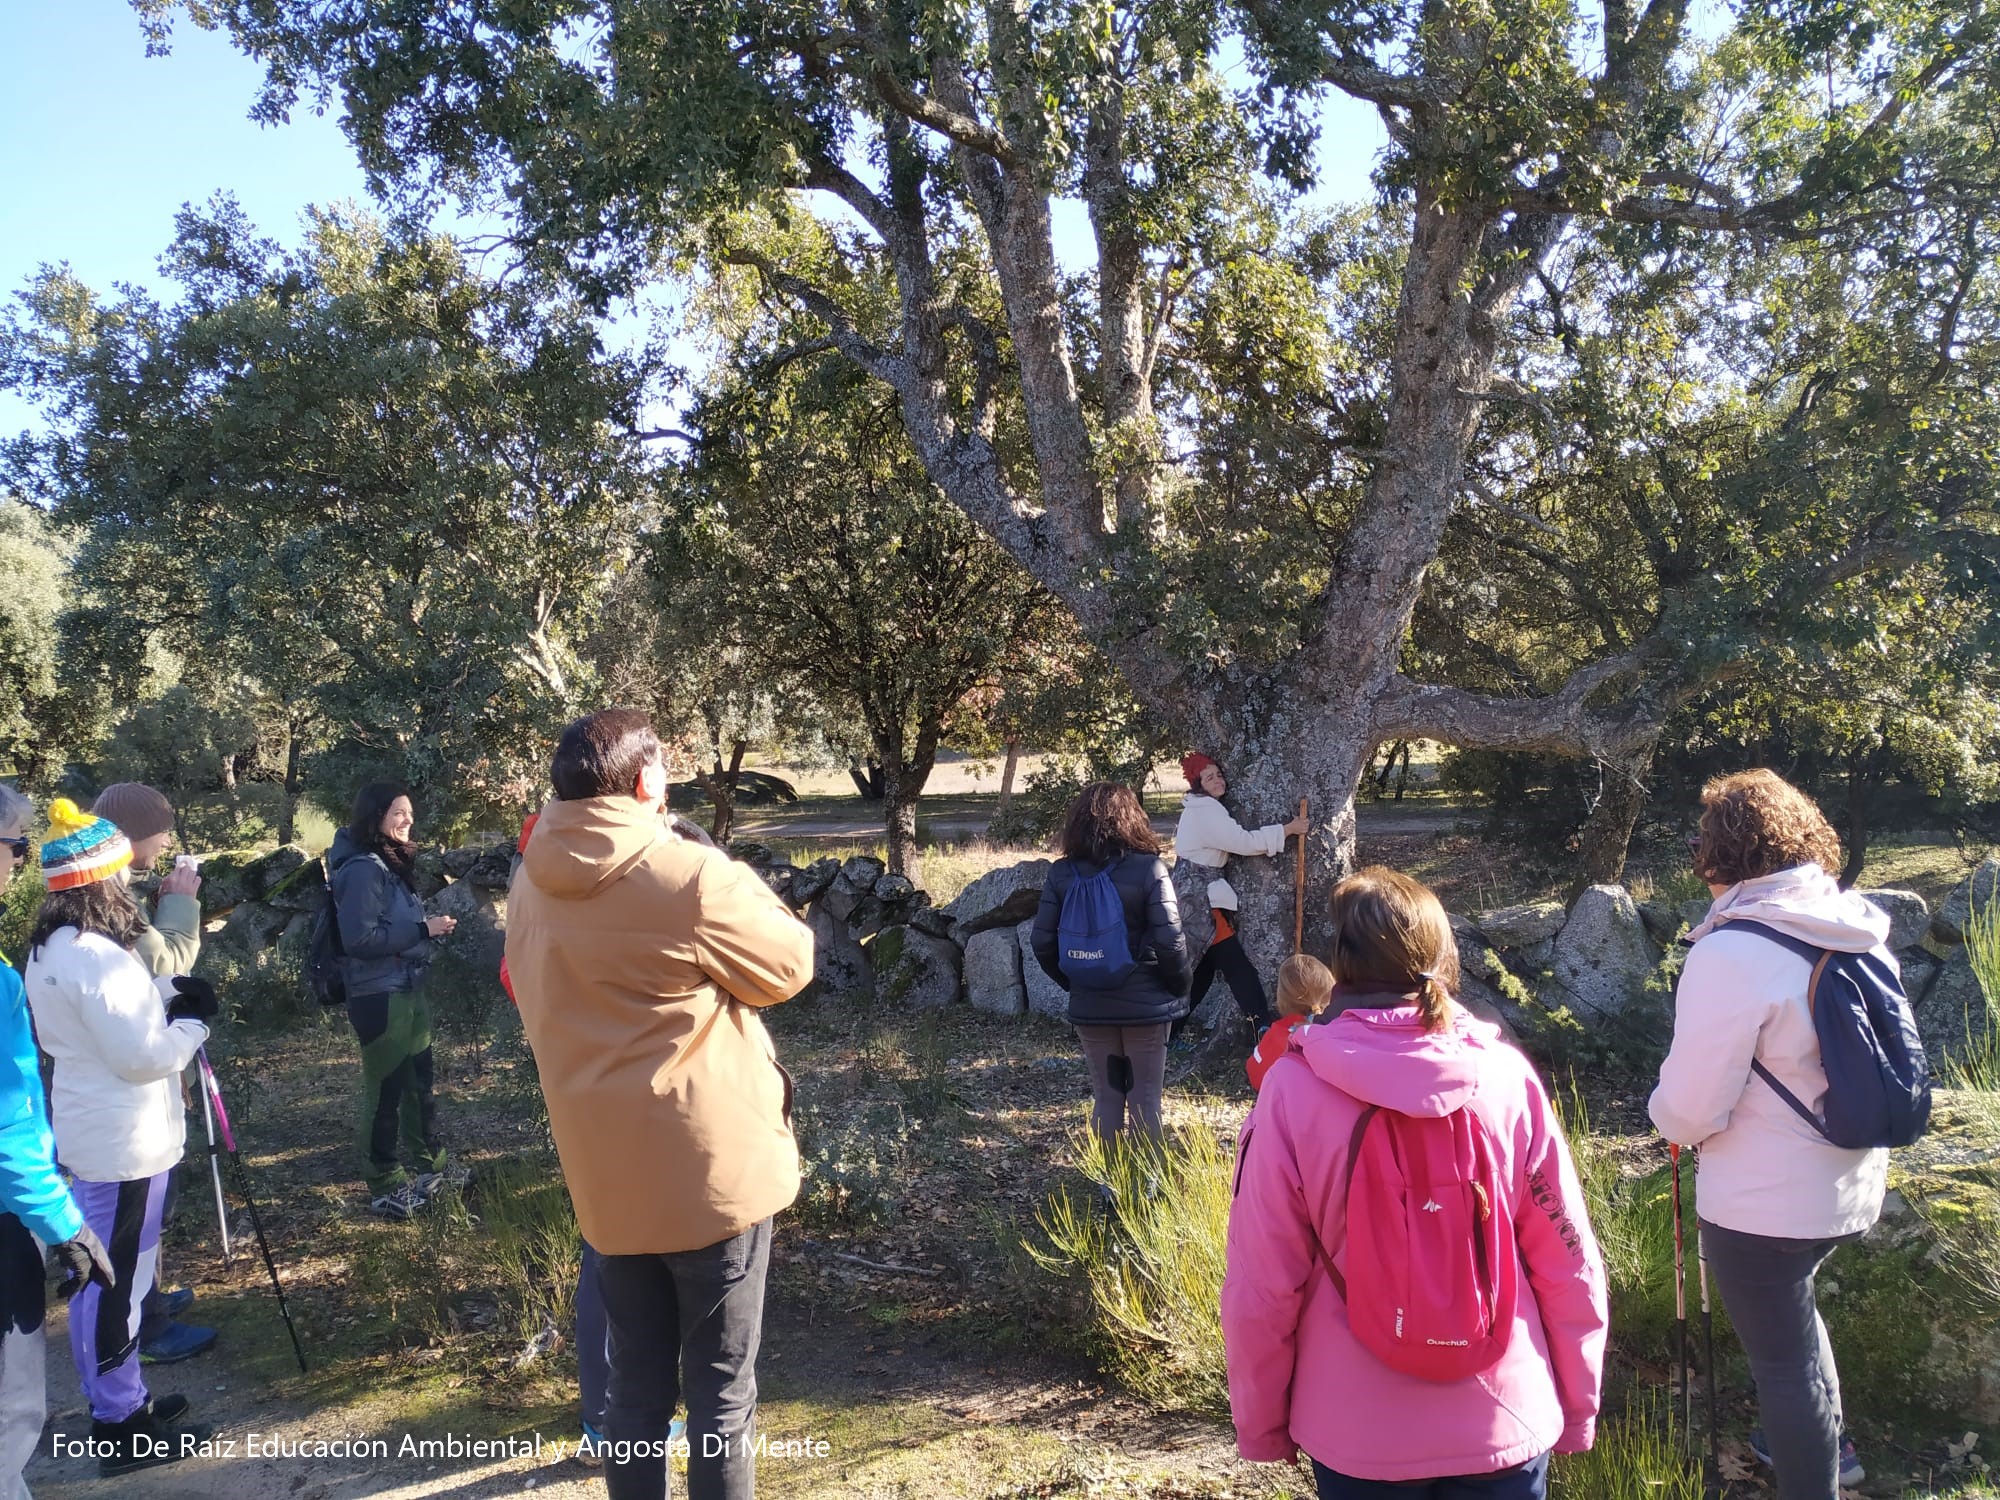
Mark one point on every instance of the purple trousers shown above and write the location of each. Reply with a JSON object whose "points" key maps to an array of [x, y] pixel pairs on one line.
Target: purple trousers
{"points": [[104, 1325]]}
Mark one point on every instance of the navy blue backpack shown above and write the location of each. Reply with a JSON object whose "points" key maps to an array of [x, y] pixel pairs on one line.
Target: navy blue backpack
{"points": [[1092, 947], [1878, 1084]]}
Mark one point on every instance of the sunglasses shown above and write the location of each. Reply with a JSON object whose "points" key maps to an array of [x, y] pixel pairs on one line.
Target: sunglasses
{"points": [[19, 846]]}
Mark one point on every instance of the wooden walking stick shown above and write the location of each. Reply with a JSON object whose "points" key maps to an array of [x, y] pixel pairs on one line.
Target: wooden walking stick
{"points": [[1299, 894]]}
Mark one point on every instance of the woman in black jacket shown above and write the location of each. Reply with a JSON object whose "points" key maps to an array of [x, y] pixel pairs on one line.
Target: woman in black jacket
{"points": [[386, 943], [1121, 1015]]}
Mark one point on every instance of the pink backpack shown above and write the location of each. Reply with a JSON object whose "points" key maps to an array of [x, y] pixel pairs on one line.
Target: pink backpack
{"points": [[1432, 1269]]}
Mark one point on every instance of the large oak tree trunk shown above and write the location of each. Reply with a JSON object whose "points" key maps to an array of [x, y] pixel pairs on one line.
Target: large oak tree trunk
{"points": [[1266, 780]]}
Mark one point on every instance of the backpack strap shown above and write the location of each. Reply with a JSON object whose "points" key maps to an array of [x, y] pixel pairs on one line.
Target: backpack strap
{"points": [[1818, 957], [1353, 1154]]}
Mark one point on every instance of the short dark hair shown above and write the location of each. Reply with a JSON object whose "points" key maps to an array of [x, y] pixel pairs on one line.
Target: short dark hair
{"points": [[1104, 823], [104, 907], [601, 754]]}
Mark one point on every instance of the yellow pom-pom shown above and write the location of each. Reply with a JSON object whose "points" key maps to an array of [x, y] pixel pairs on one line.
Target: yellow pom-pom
{"points": [[65, 818]]}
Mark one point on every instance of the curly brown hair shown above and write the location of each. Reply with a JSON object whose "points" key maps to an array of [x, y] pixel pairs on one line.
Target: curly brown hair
{"points": [[1757, 823], [1105, 822], [1391, 933]]}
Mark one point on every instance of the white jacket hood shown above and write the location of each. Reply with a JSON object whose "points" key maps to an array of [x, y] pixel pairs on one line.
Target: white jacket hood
{"points": [[1803, 902]]}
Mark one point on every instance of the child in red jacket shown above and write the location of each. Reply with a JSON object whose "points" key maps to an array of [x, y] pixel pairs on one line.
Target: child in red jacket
{"points": [[1304, 987]]}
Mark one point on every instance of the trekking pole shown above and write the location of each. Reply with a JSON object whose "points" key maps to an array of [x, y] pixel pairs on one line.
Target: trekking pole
{"points": [[1711, 1474], [214, 1091], [1681, 1307], [215, 1175], [1299, 894]]}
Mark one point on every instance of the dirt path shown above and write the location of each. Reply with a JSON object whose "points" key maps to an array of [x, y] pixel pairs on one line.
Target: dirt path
{"points": [[930, 1382], [846, 1415]]}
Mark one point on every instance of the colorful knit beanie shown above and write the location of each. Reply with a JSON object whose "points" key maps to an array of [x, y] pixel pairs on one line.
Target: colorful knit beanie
{"points": [[80, 849], [1192, 765]]}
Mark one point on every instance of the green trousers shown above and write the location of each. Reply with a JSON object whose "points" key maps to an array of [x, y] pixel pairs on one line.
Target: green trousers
{"points": [[397, 1107]]}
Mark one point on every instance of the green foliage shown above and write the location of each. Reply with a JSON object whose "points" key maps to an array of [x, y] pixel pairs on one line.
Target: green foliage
{"points": [[20, 899], [196, 749], [804, 552], [1632, 1216], [854, 1175], [1152, 1260], [369, 493], [267, 991], [1664, 361], [1640, 1454], [1977, 1066], [46, 717]]}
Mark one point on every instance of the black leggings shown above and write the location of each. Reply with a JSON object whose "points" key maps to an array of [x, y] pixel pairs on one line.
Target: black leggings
{"points": [[1238, 972]]}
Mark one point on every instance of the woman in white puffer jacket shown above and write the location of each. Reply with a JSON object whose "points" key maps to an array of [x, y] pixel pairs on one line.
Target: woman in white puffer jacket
{"points": [[1774, 1197], [119, 1040]]}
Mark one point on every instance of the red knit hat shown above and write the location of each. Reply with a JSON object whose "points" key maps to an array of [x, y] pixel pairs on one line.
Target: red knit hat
{"points": [[1193, 764]]}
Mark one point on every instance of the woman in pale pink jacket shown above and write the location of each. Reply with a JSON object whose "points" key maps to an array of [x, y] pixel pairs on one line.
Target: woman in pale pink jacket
{"points": [[1298, 1377]]}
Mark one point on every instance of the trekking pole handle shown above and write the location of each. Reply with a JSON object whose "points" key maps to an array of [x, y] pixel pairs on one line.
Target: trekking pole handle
{"points": [[215, 1093]]}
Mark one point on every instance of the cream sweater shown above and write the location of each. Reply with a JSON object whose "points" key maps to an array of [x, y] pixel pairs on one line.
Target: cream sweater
{"points": [[1741, 996], [1207, 835]]}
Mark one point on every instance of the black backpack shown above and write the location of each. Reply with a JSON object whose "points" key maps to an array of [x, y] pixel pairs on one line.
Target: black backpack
{"points": [[1878, 1083], [323, 955]]}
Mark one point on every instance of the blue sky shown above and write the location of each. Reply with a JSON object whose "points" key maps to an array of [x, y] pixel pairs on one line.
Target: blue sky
{"points": [[103, 146]]}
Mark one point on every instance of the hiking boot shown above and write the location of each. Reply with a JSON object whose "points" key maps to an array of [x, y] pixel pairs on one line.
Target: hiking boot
{"points": [[176, 1342], [1851, 1472], [145, 1439], [168, 1408], [173, 1304], [398, 1203], [590, 1448]]}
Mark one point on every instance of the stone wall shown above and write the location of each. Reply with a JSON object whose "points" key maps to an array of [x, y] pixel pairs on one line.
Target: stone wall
{"points": [[1602, 967]]}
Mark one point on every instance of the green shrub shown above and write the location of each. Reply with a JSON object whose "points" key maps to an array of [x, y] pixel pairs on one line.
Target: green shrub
{"points": [[267, 991], [1153, 1263], [855, 1174], [1978, 1066], [18, 905], [1632, 1217], [1638, 1456]]}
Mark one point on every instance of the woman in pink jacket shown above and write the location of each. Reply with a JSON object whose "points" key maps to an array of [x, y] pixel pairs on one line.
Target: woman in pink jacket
{"points": [[1299, 1378]]}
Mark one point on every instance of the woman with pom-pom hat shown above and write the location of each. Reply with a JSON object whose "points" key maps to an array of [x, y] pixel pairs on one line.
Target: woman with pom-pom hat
{"points": [[119, 1125]]}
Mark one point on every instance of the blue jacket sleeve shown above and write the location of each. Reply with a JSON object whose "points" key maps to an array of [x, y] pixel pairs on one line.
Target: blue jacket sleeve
{"points": [[30, 1187]]}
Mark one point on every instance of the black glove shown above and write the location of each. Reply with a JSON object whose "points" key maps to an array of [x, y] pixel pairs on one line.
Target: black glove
{"points": [[194, 1000], [81, 1260]]}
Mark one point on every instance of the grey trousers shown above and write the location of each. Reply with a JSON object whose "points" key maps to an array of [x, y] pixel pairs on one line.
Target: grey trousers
{"points": [[685, 1323], [1144, 1049], [1767, 1285], [23, 1404]]}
